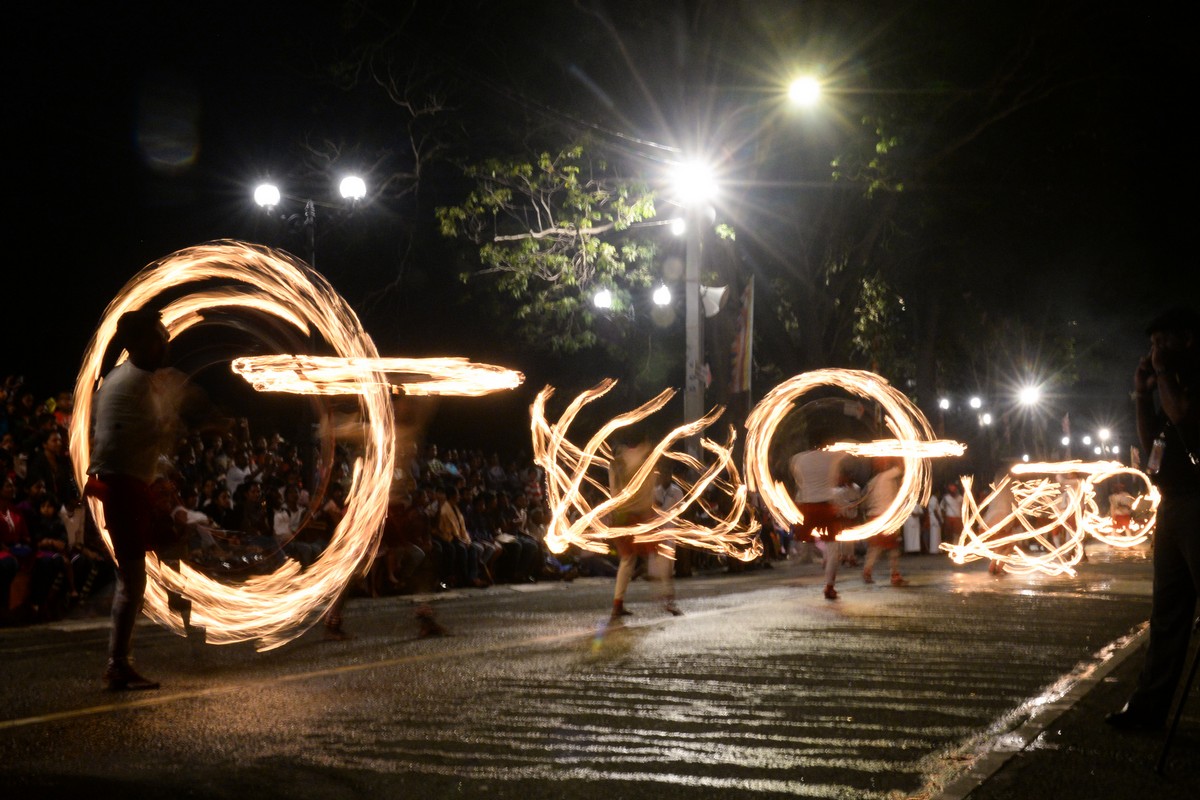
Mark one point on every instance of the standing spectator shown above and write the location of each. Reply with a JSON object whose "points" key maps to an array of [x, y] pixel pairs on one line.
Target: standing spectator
{"points": [[951, 513], [1170, 433], [933, 523]]}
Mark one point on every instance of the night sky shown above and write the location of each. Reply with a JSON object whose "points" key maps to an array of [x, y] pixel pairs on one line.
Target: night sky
{"points": [[139, 129]]}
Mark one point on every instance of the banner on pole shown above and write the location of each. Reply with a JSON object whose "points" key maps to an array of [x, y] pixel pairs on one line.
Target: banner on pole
{"points": [[743, 342]]}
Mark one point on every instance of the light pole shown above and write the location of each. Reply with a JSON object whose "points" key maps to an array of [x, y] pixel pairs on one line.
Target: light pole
{"points": [[694, 187], [267, 195]]}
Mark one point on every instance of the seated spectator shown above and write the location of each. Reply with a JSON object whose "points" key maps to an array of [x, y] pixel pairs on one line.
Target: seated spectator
{"points": [[52, 584], [289, 518], [463, 560], [406, 542], [510, 520], [220, 509], [480, 530], [199, 531]]}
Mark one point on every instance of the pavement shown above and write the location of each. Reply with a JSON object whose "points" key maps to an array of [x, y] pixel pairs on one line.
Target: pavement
{"points": [[1068, 752], [1059, 745]]}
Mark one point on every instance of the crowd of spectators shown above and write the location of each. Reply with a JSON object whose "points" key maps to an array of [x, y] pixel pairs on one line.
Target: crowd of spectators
{"points": [[243, 502]]}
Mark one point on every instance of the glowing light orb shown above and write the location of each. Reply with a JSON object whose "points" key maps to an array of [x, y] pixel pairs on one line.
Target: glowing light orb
{"points": [[913, 442], [577, 489], [1039, 524], [269, 609]]}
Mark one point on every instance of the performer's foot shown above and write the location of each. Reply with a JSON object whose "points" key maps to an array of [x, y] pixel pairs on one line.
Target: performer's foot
{"points": [[830, 592], [619, 610], [673, 609], [867, 576], [336, 633], [426, 623], [898, 579], [120, 677]]}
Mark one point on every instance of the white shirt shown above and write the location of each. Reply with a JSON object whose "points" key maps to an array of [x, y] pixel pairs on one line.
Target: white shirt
{"points": [[287, 522], [669, 497], [882, 490], [817, 474], [952, 506], [127, 424]]}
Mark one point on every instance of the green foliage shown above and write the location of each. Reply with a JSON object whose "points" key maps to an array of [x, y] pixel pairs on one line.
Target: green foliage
{"points": [[551, 231], [878, 330], [870, 161]]}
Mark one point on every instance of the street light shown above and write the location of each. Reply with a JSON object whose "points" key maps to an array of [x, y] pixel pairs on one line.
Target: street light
{"points": [[603, 299], [662, 296], [805, 91], [352, 189]]}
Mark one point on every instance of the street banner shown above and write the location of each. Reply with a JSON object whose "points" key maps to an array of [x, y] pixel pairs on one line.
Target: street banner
{"points": [[743, 342]]}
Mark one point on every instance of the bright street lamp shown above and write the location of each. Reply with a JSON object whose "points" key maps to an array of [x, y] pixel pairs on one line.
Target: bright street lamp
{"points": [[1029, 395], [267, 195], [944, 404], [353, 188], [662, 296], [603, 299], [805, 91], [975, 403]]}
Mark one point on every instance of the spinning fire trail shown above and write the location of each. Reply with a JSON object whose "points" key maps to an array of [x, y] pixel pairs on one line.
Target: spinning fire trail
{"points": [[1051, 507], [272, 609]]}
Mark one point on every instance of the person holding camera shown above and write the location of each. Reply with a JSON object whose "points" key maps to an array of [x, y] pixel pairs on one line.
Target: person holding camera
{"points": [[1166, 393]]}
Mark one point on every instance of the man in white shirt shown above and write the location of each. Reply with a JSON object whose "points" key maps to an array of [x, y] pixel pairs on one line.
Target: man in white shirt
{"points": [[818, 474], [124, 457]]}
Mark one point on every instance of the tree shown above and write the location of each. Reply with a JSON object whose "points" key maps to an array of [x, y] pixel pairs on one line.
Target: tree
{"points": [[551, 231]]}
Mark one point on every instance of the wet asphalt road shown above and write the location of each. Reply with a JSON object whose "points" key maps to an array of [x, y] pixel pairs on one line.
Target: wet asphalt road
{"points": [[762, 689]]}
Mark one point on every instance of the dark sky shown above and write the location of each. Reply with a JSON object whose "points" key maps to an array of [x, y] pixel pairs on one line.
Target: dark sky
{"points": [[138, 129]]}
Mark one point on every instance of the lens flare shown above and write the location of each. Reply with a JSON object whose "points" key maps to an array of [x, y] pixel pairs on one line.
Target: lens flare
{"points": [[913, 441], [1039, 524], [271, 609], [580, 503]]}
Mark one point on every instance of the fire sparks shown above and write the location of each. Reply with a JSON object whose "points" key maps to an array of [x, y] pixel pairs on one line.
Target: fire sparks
{"points": [[272, 609], [913, 441], [1039, 524], [578, 495]]}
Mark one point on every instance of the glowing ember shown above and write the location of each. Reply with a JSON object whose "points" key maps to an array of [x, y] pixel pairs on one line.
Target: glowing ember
{"points": [[275, 608], [331, 376], [577, 488], [912, 441], [1040, 524]]}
